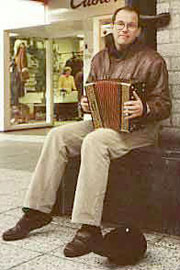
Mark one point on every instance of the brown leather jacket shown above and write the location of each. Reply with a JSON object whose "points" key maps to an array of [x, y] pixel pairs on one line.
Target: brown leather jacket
{"points": [[141, 63]]}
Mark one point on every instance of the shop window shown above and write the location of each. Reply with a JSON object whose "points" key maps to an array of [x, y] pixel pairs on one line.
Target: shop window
{"points": [[27, 80], [67, 77]]}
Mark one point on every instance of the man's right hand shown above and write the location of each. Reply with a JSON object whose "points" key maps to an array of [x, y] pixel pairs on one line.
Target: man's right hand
{"points": [[84, 104]]}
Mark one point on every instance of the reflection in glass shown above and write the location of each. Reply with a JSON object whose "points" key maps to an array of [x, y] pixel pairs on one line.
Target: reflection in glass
{"points": [[67, 85], [28, 80]]}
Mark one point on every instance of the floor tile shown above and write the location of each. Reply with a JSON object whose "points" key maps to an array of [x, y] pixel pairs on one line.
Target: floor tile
{"points": [[12, 256], [172, 242], [45, 239], [47, 262]]}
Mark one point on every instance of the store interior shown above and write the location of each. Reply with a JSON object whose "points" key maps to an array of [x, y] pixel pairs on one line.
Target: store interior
{"points": [[28, 73]]}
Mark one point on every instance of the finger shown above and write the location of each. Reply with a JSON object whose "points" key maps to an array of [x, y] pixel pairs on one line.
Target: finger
{"points": [[136, 95], [132, 107], [84, 100], [130, 116], [131, 110], [131, 102]]}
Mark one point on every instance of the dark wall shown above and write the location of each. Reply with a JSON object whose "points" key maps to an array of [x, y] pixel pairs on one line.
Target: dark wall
{"points": [[146, 7]]}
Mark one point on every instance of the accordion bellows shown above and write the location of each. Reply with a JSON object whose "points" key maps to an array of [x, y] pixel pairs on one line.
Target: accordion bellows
{"points": [[106, 99]]}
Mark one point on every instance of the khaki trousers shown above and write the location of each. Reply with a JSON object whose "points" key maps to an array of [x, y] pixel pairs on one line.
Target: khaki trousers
{"points": [[97, 149]]}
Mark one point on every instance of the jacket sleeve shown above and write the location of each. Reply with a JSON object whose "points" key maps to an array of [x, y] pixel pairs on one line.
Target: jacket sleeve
{"points": [[158, 97]]}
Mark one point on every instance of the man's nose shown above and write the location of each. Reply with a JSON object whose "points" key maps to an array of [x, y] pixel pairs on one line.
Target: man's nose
{"points": [[125, 29]]}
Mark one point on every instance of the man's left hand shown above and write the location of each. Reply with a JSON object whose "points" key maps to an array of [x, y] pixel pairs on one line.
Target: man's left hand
{"points": [[133, 108]]}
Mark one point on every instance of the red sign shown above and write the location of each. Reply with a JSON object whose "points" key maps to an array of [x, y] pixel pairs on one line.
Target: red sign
{"points": [[42, 1]]}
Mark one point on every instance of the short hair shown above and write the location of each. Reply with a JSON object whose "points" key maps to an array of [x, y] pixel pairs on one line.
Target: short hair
{"points": [[67, 69], [127, 8]]}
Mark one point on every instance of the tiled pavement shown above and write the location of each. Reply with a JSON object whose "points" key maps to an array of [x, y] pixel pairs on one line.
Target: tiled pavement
{"points": [[43, 249]]}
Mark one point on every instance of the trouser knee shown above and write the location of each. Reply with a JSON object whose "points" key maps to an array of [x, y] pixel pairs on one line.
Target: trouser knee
{"points": [[94, 140], [56, 134]]}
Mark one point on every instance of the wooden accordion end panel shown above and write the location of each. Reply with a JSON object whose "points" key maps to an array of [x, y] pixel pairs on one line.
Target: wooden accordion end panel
{"points": [[106, 99]]}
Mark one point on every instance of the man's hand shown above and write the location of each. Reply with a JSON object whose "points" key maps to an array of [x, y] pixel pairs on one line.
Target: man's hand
{"points": [[133, 108], [85, 105]]}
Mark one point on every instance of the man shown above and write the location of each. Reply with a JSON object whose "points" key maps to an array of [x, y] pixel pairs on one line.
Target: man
{"points": [[125, 60]]}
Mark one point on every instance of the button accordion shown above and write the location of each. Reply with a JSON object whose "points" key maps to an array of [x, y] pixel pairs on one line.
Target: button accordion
{"points": [[106, 99]]}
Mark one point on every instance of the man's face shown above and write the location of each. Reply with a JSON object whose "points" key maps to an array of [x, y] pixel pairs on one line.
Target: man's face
{"points": [[125, 28]]}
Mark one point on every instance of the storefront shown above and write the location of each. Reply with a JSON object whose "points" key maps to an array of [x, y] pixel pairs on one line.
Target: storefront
{"points": [[73, 32], [13, 14]]}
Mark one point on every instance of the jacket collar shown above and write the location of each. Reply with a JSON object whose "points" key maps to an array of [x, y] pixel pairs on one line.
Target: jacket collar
{"points": [[114, 53]]}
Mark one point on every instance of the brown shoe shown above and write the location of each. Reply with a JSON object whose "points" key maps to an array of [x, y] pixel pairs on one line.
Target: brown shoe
{"points": [[31, 220], [83, 242]]}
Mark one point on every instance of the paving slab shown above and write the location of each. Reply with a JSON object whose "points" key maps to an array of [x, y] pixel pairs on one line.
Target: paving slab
{"points": [[10, 203], [45, 239], [11, 181], [22, 137], [153, 237], [19, 155], [155, 259], [43, 249], [90, 259], [48, 262], [163, 251], [12, 256], [15, 212], [13, 185], [170, 242]]}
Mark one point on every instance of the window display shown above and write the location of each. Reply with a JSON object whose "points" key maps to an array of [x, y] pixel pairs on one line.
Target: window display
{"points": [[67, 63], [28, 80]]}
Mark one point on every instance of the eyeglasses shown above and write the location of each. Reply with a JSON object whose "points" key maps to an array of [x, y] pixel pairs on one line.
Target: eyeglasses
{"points": [[130, 26]]}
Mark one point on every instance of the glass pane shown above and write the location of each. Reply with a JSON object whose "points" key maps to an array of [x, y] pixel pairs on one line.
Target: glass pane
{"points": [[28, 80], [67, 77]]}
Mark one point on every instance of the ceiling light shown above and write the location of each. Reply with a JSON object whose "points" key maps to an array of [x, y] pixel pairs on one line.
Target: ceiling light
{"points": [[59, 11]]}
